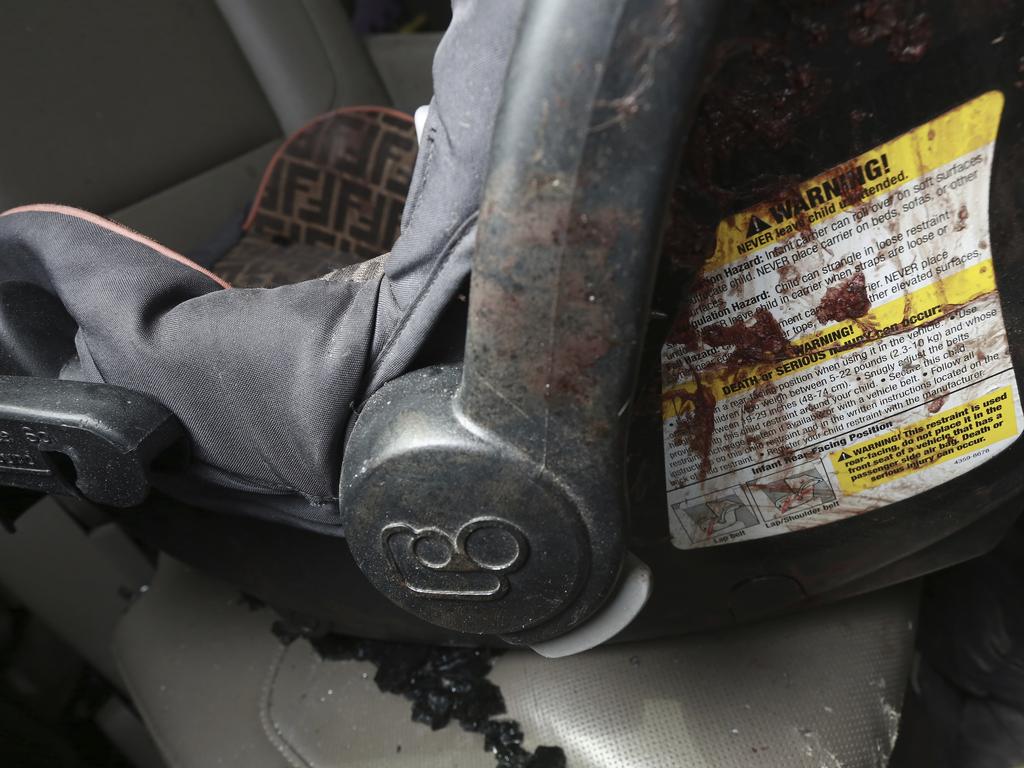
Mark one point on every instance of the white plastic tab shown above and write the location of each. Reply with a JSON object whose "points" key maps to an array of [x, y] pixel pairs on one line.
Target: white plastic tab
{"points": [[420, 119], [630, 597]]}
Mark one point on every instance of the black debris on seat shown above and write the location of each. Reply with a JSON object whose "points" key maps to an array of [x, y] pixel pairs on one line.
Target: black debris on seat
{"points": [[443, 684], [251, 602]]}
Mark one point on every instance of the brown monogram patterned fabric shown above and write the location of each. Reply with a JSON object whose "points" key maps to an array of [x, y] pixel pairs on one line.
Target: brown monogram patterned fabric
{"points": [[332, 195]]}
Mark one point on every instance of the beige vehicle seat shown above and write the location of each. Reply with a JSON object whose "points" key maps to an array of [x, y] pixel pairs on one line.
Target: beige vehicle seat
{"points": [[163, 114], [819, 689]]}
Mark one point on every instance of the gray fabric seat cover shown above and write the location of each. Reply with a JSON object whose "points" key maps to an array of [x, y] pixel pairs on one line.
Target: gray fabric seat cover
{"points": [[265, 381]]}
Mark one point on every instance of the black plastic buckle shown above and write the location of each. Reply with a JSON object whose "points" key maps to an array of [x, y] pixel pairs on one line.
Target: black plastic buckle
{"points": [[72, 438]]}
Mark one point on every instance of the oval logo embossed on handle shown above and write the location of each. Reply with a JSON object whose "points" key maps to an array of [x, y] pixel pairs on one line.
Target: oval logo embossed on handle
{"points": [[471, 564]]}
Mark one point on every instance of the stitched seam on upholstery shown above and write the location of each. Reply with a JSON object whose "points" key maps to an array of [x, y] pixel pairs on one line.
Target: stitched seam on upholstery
{"points": [[341, 438], [270, 727], [252, 483], [463, 230], [428, 163]]}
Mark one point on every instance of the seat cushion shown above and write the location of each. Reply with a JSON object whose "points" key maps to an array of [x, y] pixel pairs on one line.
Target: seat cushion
{"points": [[331, 196], [824, 687]]}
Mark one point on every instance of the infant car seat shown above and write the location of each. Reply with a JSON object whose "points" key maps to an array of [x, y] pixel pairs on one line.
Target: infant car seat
{"points": [[804, 390]]}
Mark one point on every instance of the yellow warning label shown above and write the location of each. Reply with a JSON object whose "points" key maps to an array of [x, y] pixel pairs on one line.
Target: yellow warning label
{"points": [[926, 443], [925, 305], [845, 347], [953, 135]]}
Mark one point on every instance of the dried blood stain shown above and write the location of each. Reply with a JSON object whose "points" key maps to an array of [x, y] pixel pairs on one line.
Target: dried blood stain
{"points": [[907, 33], [961, 219], [762, 341], [846, 301], [696, 425]]}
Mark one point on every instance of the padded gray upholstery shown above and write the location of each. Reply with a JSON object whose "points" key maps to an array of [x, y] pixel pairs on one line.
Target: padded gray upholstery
{"points": [[821, 688], [164, 113], [151, 112], [264, 382]]}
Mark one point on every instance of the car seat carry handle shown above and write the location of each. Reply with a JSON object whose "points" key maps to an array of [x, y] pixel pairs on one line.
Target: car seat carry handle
{"points": [[494, 501]]}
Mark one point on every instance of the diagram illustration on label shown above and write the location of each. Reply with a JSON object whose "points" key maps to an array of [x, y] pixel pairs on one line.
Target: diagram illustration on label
{"points": [[844, 348]]}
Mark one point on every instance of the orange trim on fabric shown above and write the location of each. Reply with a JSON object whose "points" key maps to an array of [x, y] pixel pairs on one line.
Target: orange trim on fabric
{"points": [[119, 229]]}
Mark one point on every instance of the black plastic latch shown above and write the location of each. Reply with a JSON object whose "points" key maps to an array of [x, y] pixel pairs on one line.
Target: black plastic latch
{"points": [[72, 438]]}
